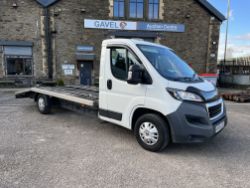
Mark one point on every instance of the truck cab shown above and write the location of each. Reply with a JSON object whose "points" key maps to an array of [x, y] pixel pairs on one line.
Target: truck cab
{"points": [[147, 88]]}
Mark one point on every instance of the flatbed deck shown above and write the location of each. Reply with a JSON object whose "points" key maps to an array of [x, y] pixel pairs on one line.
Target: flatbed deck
{"points": [[83, 95]]}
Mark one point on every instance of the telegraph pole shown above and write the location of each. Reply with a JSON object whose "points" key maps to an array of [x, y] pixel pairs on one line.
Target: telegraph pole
{"points": [[226, 40]]}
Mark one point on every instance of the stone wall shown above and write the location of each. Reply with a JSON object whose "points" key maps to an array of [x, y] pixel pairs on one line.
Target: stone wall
{"points": [[192, 45], [70, 30], [22, 24], [25, 22]]}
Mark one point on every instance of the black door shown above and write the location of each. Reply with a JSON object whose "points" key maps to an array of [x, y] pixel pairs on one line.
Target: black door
{"points": [[85, 73]]}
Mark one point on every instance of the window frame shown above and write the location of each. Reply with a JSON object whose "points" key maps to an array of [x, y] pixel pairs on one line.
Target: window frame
{"points": [[111, 65], [6, 57], [126, 60], [158, 9], [144, 2], [124, 8], [145, 11], [17, 55]]}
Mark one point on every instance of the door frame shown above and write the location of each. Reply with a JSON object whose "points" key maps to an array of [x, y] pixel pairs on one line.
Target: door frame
{"points": [[82, 62]]}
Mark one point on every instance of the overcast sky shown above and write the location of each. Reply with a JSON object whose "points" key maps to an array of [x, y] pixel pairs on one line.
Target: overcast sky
{"points": [[239, 27]]}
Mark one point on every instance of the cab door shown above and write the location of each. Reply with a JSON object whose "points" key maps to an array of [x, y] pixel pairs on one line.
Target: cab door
{"points": [[122, 97]]}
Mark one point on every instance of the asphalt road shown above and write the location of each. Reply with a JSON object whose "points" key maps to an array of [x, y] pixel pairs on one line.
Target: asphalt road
{"points": [[66, 149]]}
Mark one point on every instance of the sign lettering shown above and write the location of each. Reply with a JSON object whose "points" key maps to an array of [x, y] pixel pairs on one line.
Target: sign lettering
{"points": [[109, 24]]}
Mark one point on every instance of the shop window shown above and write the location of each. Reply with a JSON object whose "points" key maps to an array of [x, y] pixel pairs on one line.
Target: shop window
{"points": [[136, 8], [119, 7], [18, 61], [20, 66], [153, 9]]}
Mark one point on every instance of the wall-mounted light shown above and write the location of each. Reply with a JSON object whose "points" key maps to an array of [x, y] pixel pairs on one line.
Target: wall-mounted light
{"points": [[14, 5], [56, 13], [212, 55], [83, 10]]}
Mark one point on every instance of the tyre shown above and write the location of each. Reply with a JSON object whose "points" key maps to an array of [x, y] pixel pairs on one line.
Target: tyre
{"points": [[44, 104], [152, 132]]}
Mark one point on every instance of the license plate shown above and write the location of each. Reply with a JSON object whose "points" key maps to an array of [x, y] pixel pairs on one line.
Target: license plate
{"points": [[219, 127]]}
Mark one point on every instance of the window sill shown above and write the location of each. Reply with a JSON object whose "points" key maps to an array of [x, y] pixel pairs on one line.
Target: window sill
{"points": [[19, 76], [128, 19], [155, 20], [136, 19]]}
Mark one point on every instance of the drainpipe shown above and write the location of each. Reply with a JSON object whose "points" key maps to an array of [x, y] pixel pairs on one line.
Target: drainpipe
{"points": [[207, 65], [48, 43], [227, 28]]}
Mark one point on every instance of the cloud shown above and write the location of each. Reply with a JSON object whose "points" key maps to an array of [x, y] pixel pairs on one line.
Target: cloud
{"points": [[231, 15], [238, 50], [243, 37], [237, 46]]}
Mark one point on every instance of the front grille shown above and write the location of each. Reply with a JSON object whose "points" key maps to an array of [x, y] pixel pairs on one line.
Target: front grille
{"points": [[214, 110]]}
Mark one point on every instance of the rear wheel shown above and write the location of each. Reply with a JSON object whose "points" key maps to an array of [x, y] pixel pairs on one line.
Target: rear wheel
{"points": [[44, 104], [152, 132]]}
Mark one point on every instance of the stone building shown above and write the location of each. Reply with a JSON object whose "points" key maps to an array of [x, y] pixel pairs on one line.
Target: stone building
{"points": [[61, 39]]}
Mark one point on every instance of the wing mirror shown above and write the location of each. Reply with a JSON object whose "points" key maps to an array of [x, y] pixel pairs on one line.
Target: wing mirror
{"points": [[135, 74]]}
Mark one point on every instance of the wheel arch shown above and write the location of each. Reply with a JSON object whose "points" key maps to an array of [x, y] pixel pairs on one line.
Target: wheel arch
{"points": [[35, 96], [140, 111]]}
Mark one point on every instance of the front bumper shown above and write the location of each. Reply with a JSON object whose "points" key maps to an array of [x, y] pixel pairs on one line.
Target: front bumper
{"points": [[191, 122]]}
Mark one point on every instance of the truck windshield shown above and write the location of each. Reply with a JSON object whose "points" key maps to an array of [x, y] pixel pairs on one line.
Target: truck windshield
{"points": [[168, 64]]}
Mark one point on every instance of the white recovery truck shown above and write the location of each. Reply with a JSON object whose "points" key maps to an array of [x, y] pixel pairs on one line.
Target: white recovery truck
{"points": [[147, 88]]}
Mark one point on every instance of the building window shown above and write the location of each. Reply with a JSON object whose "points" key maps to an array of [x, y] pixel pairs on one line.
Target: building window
{"points": [[119, 8], [136, 8], [18, 66], [149, 9], [18, 61], [153, 9]]}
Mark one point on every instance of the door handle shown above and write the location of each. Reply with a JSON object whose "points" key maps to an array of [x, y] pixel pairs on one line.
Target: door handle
{"points": [[109, 84]]}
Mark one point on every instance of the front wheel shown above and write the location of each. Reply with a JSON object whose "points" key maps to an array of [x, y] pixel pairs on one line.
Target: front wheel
{"points": [[152, 132], [44, 104]]}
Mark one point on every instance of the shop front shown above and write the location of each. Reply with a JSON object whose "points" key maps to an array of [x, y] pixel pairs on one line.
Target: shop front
{"points": [[17, 60], [61, 40]]}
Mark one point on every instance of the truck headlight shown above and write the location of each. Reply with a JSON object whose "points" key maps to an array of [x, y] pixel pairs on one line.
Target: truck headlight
{"points": [[184, 95]]}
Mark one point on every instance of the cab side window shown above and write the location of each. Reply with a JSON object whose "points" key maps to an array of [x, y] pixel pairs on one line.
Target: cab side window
{"points": [[118, 63], [121, 60], [132, 60]]}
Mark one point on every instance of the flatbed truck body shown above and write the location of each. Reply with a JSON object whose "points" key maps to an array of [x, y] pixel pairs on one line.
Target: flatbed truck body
{"points": [[85, 96]]}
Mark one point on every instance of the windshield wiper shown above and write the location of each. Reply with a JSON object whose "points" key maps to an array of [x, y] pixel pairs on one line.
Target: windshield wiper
{"points": [[180, 79], [186, 79]]}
